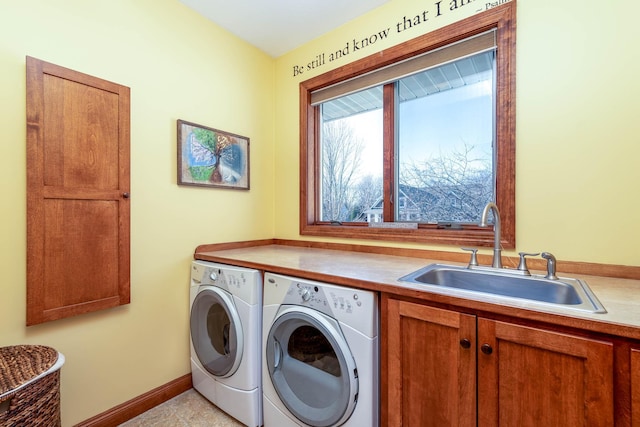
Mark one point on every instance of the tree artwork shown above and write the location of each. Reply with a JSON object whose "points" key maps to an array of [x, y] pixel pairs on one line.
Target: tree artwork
{"points": [[212, 157], [214, 147]]}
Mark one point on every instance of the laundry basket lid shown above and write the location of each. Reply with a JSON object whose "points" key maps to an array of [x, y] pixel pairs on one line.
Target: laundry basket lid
{"points": [[20, 364]]}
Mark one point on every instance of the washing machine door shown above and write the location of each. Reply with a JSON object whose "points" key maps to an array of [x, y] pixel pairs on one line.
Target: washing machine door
{"points": [[216, 331], [311, 367]]}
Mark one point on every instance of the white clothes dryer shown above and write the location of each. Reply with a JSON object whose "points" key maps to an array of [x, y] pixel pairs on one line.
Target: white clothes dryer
{"points": [[226, 325], [321, 364]]}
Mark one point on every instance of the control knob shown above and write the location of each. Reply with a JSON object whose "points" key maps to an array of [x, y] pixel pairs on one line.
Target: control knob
{"points": [[306, 295]]}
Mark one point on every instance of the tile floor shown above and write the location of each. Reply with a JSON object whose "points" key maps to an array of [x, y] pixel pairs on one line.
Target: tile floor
{"points": [[188, 409]]}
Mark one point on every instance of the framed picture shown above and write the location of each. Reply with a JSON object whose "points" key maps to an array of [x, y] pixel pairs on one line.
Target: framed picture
{"points": [[210, 157]]}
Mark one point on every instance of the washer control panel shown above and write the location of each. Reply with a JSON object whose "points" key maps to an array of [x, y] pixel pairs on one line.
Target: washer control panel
{"points": [[352, 306]]}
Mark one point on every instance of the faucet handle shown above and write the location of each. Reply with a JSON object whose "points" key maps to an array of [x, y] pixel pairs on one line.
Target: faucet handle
{"points": [[551, 265], [473, 262], [522, 266]]}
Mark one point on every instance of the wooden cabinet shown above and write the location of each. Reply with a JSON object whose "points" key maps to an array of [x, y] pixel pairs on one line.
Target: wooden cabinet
{"points": [[431, 376], [433, 360], [533, 377], [77, 193], [635, 387]]}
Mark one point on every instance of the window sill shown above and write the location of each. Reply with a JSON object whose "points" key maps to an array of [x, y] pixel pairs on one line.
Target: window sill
{"points": [[429, 234]]}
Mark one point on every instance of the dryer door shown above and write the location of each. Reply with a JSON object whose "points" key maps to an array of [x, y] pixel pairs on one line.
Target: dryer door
{"points": [[216, 331], [311, 367]]}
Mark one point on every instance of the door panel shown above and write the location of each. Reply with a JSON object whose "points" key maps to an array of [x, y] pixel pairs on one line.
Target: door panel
{"points": [[81, 243], [311, 367], [82, 152], [431, 376], [532, 377], [216, 332], [77, 193]]}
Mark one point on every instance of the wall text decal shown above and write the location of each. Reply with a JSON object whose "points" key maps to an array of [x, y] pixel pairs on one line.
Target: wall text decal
{"points": [[406, 23]]}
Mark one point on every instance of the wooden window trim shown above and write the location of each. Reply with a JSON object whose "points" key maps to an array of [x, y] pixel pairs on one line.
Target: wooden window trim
{"points": [[503, 19]]}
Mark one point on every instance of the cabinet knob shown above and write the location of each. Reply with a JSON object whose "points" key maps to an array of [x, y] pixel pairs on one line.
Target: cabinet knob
{"points": [[125, 195], [486, 349], [465, 343]]}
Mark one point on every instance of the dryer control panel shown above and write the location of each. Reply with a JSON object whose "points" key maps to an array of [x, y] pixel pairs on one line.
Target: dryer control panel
{"points": [[243, 282], [355, 307]]}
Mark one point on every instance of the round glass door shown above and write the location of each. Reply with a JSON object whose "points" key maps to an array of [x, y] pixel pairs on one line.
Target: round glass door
{"points": [[311, 367], [216, 332]]}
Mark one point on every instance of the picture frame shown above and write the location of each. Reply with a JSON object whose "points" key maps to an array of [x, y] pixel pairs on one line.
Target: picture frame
{"points": [[209, 157]]}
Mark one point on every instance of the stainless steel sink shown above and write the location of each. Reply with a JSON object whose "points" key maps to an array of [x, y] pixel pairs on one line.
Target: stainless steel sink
{"points": [[565, 292]]}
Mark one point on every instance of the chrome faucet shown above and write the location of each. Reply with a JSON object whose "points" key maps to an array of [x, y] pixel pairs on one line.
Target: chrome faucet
{"points": [[497, 257]]}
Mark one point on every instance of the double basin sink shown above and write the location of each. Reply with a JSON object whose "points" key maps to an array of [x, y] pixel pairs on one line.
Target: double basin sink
{"points": [[568, 293]]}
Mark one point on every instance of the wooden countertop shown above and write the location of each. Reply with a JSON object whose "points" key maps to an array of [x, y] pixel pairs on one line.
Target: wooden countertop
{"points": [[620, 297]]}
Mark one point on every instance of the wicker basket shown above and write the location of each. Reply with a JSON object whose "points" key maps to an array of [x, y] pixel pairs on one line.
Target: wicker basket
{"points": [[30, 386]]}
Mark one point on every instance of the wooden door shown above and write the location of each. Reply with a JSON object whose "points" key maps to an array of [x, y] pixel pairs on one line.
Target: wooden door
{"points": [[429, 368], [532, 377], [635, 387], [77, 193]]}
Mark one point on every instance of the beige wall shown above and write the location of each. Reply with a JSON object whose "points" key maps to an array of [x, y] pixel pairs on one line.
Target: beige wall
{"points": [[577, 146], [178, 66]]}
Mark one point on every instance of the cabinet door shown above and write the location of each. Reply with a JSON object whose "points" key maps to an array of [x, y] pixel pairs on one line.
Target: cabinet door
{"points": [[635, 387], [429, 367], [77, 193], [532, 377]]}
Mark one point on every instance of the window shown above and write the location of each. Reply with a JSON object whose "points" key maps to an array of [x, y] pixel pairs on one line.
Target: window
{"points": [[422, 133]]}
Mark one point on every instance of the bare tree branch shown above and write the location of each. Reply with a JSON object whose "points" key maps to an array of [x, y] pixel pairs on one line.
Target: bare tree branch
{"points": [[340, 162], [452, 187]]}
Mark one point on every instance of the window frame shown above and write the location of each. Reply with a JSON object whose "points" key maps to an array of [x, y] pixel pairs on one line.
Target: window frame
{"points": [[503, 19]]}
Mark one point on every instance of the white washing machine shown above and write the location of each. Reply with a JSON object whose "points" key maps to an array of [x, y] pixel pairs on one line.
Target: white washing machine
{"points": [[226, 325], [320, 365]]}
